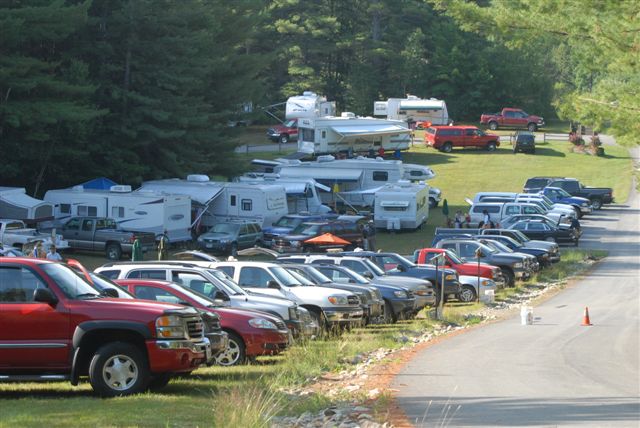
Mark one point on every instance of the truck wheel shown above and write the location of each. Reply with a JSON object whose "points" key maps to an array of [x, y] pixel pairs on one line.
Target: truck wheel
{"points": [[113, 252], [447, 147], [234, 354], [284, 138], [596, 203], [509, 277], [493, 125], [532, 127], [433, 203], [491, 147], [234, 249], [388, 316], [117, 369], [467, 294], [319, 320], [159, 382]]}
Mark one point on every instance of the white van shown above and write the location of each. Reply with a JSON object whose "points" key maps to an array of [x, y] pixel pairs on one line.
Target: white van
{"points": [[497, 211]]}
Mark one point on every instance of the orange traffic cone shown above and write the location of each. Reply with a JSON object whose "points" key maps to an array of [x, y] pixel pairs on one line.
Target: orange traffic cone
{"points": [[585, 318]]}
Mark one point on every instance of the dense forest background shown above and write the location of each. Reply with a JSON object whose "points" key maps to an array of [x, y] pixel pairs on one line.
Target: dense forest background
{"points": [[143, 89]]}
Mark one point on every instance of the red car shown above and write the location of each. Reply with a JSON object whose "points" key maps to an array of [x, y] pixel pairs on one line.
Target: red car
{"points": [[56, 326], [445, 138], [512, 118], [285, 132], [251, 333], [452, 261]]}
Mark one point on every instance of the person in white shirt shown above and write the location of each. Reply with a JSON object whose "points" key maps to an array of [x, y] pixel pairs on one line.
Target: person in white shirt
{"points": [[53, 255]]}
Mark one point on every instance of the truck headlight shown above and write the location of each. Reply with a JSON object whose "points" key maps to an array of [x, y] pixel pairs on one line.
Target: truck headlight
{"points": [[584, 204], [338, 300], [170, 327], [262, 323], [400, 294], [450, 277], [518, 265]]}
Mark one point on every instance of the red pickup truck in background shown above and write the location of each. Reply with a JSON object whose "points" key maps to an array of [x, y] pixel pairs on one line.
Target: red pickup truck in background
{"points": [[284, 133], [452, 261], [55, 326], [512, 118]]}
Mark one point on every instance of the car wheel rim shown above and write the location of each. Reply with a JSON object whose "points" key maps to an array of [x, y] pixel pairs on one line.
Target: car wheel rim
{"points": [[466, 295], [120, 372], [229, 356]]}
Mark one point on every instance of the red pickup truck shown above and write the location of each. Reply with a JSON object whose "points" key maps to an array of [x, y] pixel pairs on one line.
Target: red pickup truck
{"points": [[512, 118], [445, 138], [424, 256], [55, 326], [284, 133]]}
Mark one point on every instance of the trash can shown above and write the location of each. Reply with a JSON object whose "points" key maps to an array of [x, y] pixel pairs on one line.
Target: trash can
{"points": [[526, 315], [488, 297]]}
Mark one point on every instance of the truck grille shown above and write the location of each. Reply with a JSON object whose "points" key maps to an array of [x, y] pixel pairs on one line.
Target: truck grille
{"points": [[364, 297], [353, 300], [280, 324], [195, 328], [293, 313]]}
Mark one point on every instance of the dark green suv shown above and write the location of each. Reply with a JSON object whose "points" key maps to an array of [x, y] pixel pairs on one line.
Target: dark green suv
{"points": [[523, 141], [229, 237]]}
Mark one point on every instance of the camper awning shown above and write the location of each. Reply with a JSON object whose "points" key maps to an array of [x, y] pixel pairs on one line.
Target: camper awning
{"points": [[16, 204], [369, 130], [402, 204], [421, 105], [201, 194], [329, 175]]}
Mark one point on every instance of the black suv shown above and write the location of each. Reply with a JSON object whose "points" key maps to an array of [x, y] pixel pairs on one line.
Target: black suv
{"points": [[295, 242], [523, 141], [536, 184]]}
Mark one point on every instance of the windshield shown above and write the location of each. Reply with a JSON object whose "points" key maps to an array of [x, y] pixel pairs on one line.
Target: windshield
{"points": [[72, 285], [374, 267], [563, 193], [315, 275], [224, 228], [536, 182], [359, 279], [454, 257], [103, 283], [290, 123], [284, 277], [500, 246], [521, 236], [226, 282], [288, 222], [401, 260], [300, 277], [195, 296], [306, 229]]}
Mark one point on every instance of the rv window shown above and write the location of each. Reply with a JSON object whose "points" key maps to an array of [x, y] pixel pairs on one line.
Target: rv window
{"points": [[65, 208], [324, 134], [395, 208], [247, 205], [380, 176], [117, 212], [307, 134], [233, 200]]}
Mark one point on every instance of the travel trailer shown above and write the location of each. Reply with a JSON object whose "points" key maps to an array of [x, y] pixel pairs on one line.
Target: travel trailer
{"points": [[413, 109], [16, 204], [136, 211], [303, 194], [349, 133], [214, 201], [402, 205], [353, 182], [309, 104]]}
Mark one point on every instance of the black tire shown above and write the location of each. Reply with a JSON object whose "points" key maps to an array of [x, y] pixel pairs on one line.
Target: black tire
{"points": [[284, 138], [319, 320], [579, 212], [433, 203], [113, 252], [493, 125], [388, 316], [117, 369], [234, 249], [467, 294], [533, 151], [235, 353], [159, 382], [509, 277], [447, 147], [596, 203], [491, 147], [532, 127], [515, 150]]}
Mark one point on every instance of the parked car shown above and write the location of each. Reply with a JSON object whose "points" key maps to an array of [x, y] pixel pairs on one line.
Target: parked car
{"points": [[542, 255], [329, 307], [451, 260], [523, 141], [536, 184], [512, 118], [229, 237], [558, 195], [288, 223], [56, 326], [513, 219], [16, 234], [213, 285], [285, 132], [529, 259], [103, 234], [551, 247], [445, 138], [597, 195], [249, 333], [471, 286], [539, 230], [295, 242]]}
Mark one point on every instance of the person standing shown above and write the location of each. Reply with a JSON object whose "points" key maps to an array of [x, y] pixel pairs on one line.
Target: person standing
{"points": [[163, 246], [370, 229], [136, 251], [53, 255], [458, 219], [38, 251], [486, 222]]}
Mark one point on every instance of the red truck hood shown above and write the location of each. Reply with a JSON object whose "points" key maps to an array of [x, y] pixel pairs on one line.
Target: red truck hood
{"points": [[112, 308], [238, 313]]}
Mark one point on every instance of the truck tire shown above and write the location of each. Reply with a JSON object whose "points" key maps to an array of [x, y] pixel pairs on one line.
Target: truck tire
{"points": [[447, 147], [493, 125], [467, 294], [388, 316], [284, 138], [113, 251], [433, 203], [318, 318], [491, 147], [596, 203], [532, 127], [117, 369], [235, 353], [234, 249], [509, 277]]}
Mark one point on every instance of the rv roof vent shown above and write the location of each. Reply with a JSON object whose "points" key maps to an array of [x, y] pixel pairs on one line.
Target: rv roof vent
{"points": [[326, 158], [309, 94], [348, 114], [78, 188], [412, 97], [201, 178], [404, 183], [120, 188]]}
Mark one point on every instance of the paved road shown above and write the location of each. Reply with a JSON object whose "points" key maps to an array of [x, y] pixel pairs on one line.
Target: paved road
{"points": [[555, 372]]}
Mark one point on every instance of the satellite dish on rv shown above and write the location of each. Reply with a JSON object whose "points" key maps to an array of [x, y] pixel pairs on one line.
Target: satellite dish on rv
{"points": [[120, 188]]}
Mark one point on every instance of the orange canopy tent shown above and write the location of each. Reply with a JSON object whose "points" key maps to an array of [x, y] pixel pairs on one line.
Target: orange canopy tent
{"points": [[327, 239]]}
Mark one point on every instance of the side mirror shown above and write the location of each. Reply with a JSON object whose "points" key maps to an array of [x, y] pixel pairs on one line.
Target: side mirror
{"points": [[273, 284], [221, 296], [110, 292], [368, 275], [45, 295], [401, 268]]}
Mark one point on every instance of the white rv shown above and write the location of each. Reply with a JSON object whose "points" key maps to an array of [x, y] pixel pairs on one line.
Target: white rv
{"points": [[318, 135], [16, 204], [402, 205], [413, 109], [214, 201], [138, 211], [309, 104], [303, 194]]}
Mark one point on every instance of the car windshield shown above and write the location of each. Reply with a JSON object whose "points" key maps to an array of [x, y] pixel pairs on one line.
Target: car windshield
{"points": [[521, 236], [72, 285], [223, 280], [500, 246], [374, 267], [359, 279], [224, 228], [402, 260], [315, 275], [563, 193], [301, 278], [201, 299], [290, 123], [284, 277], [454, 257], [102, 283], [306, 229], [288, 222]]}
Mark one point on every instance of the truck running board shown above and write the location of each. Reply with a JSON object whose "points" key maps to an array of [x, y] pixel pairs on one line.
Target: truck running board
{"points": [[33, 378]]}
